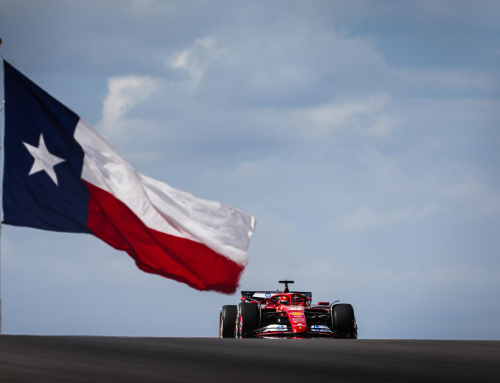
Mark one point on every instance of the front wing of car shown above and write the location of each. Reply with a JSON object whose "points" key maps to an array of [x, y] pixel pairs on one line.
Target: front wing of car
{"points": [[285, 331]]}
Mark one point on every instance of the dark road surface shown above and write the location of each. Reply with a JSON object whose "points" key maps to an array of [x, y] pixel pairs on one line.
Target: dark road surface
{"points": [[107, 359]]}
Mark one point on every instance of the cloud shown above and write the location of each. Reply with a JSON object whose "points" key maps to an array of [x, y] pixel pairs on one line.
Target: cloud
{"points": [[341, 114], [369, 117], [364, 115], [365, 146], [123, 94], [195, 60], [383, 126]]}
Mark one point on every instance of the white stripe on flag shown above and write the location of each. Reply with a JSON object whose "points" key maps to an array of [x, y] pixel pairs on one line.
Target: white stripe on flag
{"points": [[160, 207]]}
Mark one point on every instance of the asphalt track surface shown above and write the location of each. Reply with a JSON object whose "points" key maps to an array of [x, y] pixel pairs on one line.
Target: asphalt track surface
{"points": [[113, 359]]}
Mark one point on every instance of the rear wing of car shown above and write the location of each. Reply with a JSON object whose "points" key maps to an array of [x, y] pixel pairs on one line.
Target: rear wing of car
{"points": [[263, 295]]}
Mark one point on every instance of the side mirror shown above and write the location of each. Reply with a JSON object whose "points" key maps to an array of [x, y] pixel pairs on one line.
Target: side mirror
{"points": [[323, 303]]}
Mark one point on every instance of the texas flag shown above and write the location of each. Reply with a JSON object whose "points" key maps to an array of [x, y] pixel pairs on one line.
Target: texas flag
{"points": [[60, 174]]}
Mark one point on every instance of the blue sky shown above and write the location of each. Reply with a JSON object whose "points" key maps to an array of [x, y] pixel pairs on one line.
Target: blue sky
{"points": [[362, 135]]}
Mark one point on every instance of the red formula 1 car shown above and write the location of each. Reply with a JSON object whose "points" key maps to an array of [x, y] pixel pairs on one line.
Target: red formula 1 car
{"points": [[289, 314]]}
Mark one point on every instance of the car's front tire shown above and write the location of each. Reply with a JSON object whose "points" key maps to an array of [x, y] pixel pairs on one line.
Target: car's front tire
{"points": [[227, 321], [248, 319], [343, 321]]}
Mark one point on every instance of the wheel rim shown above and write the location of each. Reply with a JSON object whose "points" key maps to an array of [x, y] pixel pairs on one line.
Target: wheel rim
{"points": [[237, 327], [221, 326]]}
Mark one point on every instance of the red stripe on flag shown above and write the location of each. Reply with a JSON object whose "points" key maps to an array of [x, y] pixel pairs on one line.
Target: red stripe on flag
{"points": [[158, 253]]}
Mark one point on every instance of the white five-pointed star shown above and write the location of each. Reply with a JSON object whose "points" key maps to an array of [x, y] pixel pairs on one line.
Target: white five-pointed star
{"points": [[43, 159]]}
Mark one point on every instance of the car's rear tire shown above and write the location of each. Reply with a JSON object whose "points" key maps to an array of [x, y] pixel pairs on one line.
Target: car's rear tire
{"points": [[248, 320], [227, 321], [343, 320]]}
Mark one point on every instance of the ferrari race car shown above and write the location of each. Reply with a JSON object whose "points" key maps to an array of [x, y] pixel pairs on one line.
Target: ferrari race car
{"points": [[288, 314]]}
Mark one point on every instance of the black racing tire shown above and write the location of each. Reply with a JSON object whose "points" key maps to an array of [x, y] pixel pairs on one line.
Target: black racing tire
{"points": [[248, 319], [343, 321], [227, 321]]}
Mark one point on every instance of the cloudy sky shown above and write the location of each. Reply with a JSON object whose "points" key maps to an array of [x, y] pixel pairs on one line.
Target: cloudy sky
{"points": [[364, 136]]}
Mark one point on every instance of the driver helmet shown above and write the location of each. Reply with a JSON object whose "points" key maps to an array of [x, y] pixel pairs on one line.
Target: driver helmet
{"points": [[284, 300]]}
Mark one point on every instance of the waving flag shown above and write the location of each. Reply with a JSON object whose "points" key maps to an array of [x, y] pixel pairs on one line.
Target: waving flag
{"points": [[60, 174]]}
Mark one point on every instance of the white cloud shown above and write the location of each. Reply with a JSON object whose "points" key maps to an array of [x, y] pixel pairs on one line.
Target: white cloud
{"points": [[195, 60], [340, 115], [368, 116], [281, 119], [123, 94], [383, 126]]}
